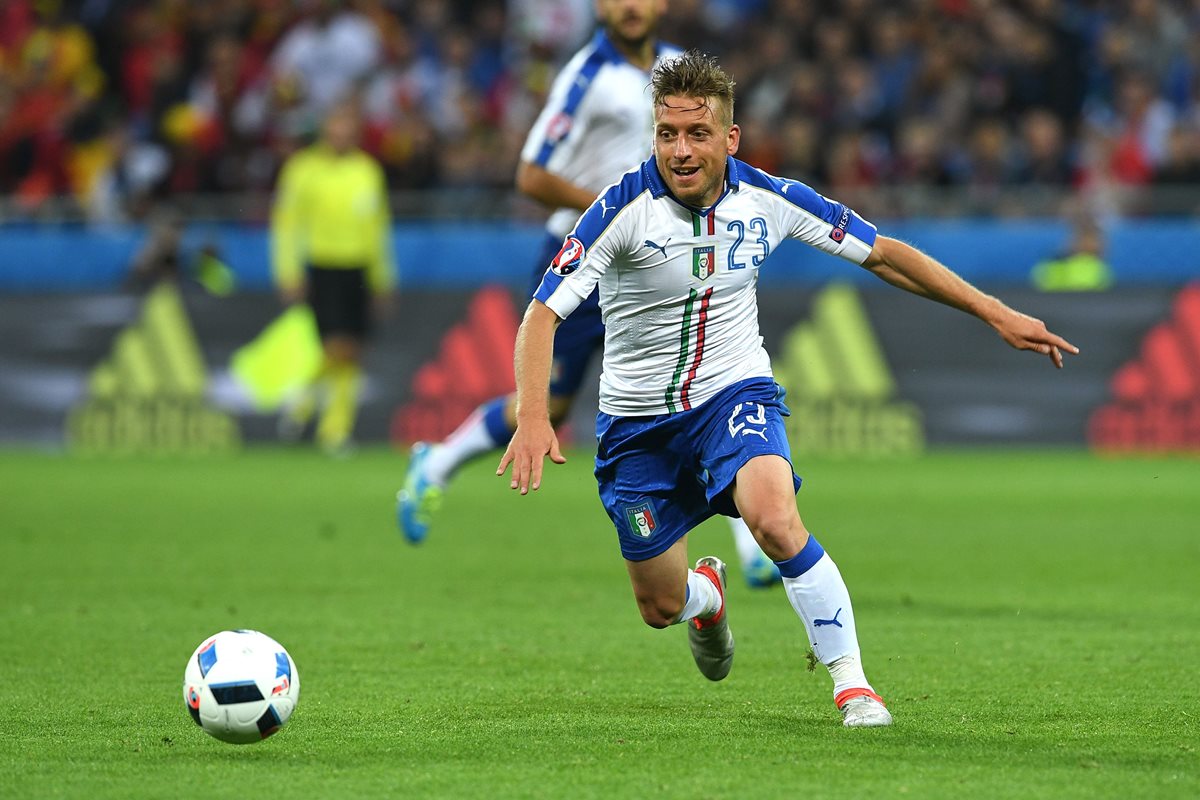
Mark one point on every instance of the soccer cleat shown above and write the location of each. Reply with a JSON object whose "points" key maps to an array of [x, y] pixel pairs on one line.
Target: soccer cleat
{"points": [[761, 572], [862, 708], [420, 498], [710, 639]]}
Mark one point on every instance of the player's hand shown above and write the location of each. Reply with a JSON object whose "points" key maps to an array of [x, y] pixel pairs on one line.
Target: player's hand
{"points": [[526, 452], [1028, 333]]}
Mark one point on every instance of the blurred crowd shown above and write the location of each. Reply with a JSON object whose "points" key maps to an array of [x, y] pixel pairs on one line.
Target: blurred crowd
{"points": [[113, 105]]}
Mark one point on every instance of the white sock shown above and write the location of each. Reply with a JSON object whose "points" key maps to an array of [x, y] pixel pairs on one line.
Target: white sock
{"points": [[747, 547], [817, 592], [472, 438], [703, 598]]}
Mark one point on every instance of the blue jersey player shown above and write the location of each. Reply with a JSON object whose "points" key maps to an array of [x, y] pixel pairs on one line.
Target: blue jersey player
{"points": [[596, 125], [691, 421]]}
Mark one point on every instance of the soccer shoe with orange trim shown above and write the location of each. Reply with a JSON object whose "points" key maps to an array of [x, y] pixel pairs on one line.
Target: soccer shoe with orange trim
{"points": [[710, 639], [862, 708], [420, 498]]}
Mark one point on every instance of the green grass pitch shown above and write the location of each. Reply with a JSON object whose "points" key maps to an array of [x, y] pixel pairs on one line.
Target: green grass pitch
{"points": [[1033, 619]]}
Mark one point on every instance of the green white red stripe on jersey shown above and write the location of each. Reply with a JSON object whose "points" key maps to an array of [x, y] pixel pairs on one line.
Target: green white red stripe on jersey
{"points": [[702, 228], [691, 343]]}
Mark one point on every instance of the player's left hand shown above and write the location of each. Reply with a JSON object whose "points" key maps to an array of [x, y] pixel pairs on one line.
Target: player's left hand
{"points": [[527, 449], [1028, 333]]}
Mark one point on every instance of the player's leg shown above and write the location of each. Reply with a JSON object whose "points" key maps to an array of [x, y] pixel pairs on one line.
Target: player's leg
{"points": [[765, 495], [650, 491], [344, 324], [343, 376], [487, 428], [668, 593], [431, 466], [491, 425], [338, 299]]}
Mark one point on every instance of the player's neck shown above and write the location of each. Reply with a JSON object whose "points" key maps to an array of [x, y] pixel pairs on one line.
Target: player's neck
{"points": [[640, 54]]}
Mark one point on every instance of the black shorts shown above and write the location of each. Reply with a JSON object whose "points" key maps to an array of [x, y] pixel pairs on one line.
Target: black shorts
{"points": [[340, 301]]}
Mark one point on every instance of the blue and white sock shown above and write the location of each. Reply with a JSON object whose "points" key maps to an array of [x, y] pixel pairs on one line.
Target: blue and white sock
{"points": [[820, 597], [703, 598], [485, 430]]}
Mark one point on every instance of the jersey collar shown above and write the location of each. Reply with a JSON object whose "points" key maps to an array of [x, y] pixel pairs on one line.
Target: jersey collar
{"points": [[658, 187]]}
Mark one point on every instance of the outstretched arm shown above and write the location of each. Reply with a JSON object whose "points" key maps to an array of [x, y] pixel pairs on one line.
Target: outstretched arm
{"points": [[534, 437], [902, 265]]}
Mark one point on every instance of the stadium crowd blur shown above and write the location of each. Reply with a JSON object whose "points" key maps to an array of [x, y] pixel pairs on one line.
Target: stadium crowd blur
{"points": [[1003, 106]]}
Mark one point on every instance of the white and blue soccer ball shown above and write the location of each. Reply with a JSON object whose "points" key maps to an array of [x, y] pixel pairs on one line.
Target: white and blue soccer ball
{"points": [[240, 686]]}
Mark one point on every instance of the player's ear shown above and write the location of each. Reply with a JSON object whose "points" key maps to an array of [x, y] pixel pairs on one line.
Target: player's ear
{"points": [[735, 138]]}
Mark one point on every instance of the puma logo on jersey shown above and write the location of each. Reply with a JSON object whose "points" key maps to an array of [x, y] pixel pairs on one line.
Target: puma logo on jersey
{"points": [[604, 207], [662, 248]]}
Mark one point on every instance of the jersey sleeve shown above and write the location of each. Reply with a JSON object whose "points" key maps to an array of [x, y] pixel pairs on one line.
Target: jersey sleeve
{"points": [[823, 223], [561, 114], [600, 237]]}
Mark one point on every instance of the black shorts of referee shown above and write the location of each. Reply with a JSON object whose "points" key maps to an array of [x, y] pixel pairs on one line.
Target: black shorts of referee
{"points": [[340, 300]]}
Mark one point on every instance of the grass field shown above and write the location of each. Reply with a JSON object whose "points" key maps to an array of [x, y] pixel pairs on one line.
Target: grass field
{"points": [[1032, 618]]}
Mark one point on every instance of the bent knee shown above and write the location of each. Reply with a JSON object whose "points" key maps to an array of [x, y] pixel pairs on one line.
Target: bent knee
{"points": [[781, 534]]}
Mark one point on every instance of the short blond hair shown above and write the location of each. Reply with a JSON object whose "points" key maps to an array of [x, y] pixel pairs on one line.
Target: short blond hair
{"points": [[694, 74]]}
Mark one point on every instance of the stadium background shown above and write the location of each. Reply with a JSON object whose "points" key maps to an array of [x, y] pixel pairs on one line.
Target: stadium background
{"points": [[140, 140]]}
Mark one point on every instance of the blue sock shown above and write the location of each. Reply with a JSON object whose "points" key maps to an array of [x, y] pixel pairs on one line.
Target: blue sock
{"points": [[803, 561], [493, 420]]}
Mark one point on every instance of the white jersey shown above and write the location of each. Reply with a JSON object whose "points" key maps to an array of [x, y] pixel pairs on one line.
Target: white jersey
{"points": [[597, 124], [678, 284]]}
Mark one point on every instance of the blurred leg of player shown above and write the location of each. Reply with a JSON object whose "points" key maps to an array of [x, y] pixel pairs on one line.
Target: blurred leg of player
{"points": [[490, 426], [339, 301], [336, 422]]}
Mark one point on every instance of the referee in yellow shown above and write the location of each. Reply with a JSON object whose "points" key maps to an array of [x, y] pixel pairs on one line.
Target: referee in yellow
{"points": [[331, 246]]}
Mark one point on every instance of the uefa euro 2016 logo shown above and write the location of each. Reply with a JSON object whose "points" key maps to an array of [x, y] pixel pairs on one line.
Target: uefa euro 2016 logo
{"points": [[568, 258]]}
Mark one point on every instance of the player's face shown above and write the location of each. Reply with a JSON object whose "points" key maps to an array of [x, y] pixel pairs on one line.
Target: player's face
{"points": [[690, 146], [632, 21]]}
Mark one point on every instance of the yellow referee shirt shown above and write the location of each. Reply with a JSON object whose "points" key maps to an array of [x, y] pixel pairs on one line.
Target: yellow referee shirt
{"points": [[331, 211]]}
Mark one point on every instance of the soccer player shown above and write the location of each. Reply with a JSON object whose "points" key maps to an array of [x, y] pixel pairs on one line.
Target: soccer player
{"points": [[331, 247], [691, 421], [596, 125]]}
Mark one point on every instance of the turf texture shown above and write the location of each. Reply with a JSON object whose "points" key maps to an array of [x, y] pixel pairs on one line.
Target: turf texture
{"points": [[1033, 619]]}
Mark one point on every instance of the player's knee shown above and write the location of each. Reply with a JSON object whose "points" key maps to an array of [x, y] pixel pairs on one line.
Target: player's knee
{"points": [[779, 532], [659, 612]]}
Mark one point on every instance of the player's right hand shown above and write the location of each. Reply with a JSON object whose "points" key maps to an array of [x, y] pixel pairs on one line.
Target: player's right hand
{"points": [[526, 452], [1029, 333]]}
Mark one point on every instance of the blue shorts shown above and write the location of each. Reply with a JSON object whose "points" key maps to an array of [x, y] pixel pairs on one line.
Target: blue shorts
{"points": [[661, 476], [579, 336]]}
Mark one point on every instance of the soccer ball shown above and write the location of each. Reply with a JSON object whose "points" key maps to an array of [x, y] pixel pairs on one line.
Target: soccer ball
{"points": [[240, 686]]}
